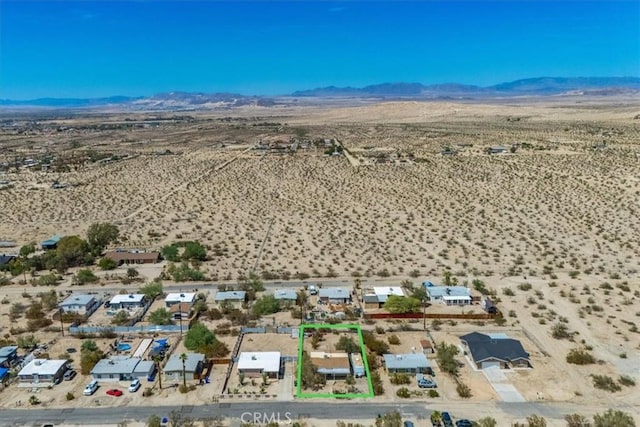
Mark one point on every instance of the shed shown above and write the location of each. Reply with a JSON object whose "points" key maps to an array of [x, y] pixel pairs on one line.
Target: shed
{"points": [[357, 365], [50, 243]]}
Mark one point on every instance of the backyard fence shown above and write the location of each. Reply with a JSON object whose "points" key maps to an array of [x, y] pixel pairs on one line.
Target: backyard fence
{"points": [[469, 316], [75, 330]]}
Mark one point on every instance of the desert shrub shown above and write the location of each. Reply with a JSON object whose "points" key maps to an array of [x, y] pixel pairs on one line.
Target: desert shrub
{"points": [[626, 381], [560, 331], [403, 392], [393, 340], [463, 390], [70, 396], [604, 382], [508, 292], [433, 393], [526, 286], [399, 379], [580, 357]]}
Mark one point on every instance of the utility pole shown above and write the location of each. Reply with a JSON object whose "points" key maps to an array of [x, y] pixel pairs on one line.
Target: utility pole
{"points": [[61, 323], [424, 314]]}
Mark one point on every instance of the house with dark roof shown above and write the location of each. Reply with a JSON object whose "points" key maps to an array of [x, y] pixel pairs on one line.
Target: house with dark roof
{"points": [[332, 365], [495, 350], [6, 259]]}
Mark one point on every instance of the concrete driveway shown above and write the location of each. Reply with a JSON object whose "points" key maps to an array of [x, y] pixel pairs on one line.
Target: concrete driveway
{"points": [[500, 383]]}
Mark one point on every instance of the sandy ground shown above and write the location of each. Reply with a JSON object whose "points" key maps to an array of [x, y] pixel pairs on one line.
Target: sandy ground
{"points": [[559, 215]]}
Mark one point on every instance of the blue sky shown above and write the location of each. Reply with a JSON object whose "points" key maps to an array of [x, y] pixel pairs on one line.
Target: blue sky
{"points": [[92, 48]]}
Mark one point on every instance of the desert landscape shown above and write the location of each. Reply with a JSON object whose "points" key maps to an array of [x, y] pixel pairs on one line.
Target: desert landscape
{"points": [[537, 199]]}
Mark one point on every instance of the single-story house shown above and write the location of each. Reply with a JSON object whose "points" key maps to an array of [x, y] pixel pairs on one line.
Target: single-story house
{"points": [[231, 296], [335, 295], [6, 259], [135, 257], [357, 365], [180, 311], [331, 365], [122, 368], [409, 363], [495, 350], [255, 363], [50, 243], [285, 295], [78, 303], [193, 367], [378, 296], [127, 301], [427, 347], [42, 371], [8, 355], [449, 295], [180, 298]]}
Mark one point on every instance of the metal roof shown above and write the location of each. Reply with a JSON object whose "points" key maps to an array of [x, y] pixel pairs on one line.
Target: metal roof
{"points": [[8, 350], [230, 295], [286, 294], [77, 299], [406, 361], [267, 361], [42, 367], [190, 365], [181, 297], [120, 298], [334, 293], [450, 291], [116, 365]]}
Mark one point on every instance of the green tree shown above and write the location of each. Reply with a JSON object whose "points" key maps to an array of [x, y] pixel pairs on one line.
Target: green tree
{"points": [[99, 235], [268, 304], [160, 316], [198, 336], [107, 263], [27, 249], [613, 418], [88, 345], [72, 251], [398, 304], [348, 345], [445, 356], [152, 289], [170, 253], [390, 419], [194, 251], [84, 276]]}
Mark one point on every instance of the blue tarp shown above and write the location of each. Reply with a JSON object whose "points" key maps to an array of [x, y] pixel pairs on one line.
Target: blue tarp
{"points": [[160, 343], [3, 372]]}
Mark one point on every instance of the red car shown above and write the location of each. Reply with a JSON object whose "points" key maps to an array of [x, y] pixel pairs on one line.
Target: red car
{"points": [[114, 392]]}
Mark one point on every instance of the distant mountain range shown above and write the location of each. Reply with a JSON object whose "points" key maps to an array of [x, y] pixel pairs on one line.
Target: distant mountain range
{"points": [[539, 86]]}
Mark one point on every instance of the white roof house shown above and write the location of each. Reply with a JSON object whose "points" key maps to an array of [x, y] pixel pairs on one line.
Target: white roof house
{"points": [[42, 370], [259, 361], [78, 303], [450, 295], [231, 296], [123, 300], [384, 292], [180, 297]]}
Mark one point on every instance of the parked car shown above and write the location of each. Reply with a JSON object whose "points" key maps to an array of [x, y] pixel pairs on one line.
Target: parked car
{"points": [[446, 419], [464, 423], [91, 388], [134, 386], [69, 375], [408, 424], [114, 392], [427, 383]]}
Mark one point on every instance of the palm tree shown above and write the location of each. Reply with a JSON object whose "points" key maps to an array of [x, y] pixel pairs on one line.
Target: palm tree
{"points": [[157, 359], [183, 358]]}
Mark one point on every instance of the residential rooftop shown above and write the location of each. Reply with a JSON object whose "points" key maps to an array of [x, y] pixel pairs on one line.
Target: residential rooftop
{"points": [[406, 361], [190, 365], [268, 361]]}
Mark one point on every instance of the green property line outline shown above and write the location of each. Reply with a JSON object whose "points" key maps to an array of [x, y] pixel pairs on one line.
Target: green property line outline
{"points": [[363, 353]]}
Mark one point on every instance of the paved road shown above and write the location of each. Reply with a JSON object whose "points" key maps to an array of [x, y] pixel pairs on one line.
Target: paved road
{"points": [[350, 410]]}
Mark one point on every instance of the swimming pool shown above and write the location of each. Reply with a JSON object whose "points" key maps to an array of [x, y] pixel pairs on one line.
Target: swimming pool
{"points": [[124, 347]]}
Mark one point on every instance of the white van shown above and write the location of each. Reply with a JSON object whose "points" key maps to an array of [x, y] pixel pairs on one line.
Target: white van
{"points": [[134, 386], [313, 290], [91, 388]]}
